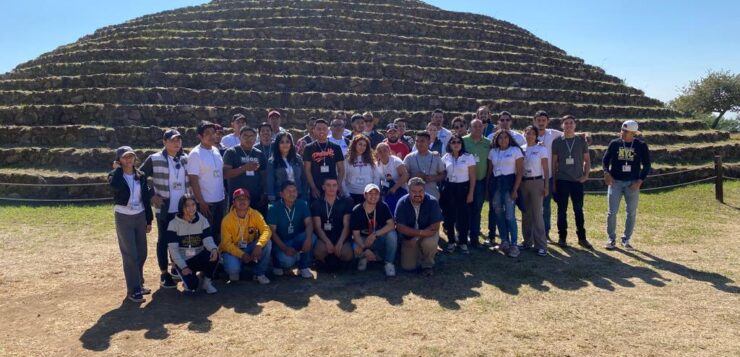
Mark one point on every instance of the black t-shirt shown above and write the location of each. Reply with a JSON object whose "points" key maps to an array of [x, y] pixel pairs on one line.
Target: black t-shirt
{"points": [[326, 154], [634, 157], [359, 221], [341, 207], [252, 181]]}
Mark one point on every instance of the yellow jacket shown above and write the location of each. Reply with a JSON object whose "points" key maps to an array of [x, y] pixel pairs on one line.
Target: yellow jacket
{"points": [[253, 228]]}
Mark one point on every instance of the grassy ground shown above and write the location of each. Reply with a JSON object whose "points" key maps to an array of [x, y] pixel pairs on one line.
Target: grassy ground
{"points": [[62, 289]]}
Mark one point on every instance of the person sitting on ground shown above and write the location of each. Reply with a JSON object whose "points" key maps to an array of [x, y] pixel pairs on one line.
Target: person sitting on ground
{"points": [[192, 247], [331, 215], [292, 232], [374, 231], [418, 217]]}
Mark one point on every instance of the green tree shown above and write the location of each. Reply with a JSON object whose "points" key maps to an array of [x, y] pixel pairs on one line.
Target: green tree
{"points": [[718, 92]]}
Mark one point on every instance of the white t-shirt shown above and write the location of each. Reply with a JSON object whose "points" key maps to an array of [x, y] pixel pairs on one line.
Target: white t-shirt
{"points": [[209, 167], [176, 183], [231, 140], [458, 169], [358, 175], [533, 160], [342, 144], [134, 205], [518, 137], [504, 162], [289, 170], [547, 138], [444, 136], [390, 171]]}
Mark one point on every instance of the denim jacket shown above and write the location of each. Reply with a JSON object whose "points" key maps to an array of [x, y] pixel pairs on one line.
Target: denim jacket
{"points": [[276, 177]]}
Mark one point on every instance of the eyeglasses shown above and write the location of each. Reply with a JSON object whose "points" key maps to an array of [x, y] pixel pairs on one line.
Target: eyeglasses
{"points": [[455, 142]]}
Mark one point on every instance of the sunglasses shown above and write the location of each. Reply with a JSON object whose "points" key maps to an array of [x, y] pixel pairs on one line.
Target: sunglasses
{"points": [[455, 142]]}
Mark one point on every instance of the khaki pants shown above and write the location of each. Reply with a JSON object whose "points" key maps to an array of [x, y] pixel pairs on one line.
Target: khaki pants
{"points": [[419, 252], [533, 224], [320, 252]]}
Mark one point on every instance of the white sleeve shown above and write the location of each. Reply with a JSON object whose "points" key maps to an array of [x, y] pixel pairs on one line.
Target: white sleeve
{"points": [[209, 244], [174, 249], [518, 153], [193, 164]]}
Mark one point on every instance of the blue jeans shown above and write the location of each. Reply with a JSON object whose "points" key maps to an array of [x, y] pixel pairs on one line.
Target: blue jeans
{"points": [[614, 197], [504, 207], [475, 214], [385, 246], [233, 265], [303, 259], [546, 211]]}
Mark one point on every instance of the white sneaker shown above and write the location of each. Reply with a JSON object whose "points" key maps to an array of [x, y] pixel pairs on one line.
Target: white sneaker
{"points": [[306, 273], [390, 269], [362, 264], [208, 286], [263, 280], [514, 251], [277, 271]]}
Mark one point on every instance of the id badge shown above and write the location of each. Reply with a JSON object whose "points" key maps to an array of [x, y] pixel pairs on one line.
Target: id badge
{"points": [[327, 226], [217, 173], [453, 178], [570, 161], [189, 252], [177, 186], [136, 206], [528, 172], [626, 168], [477, 159], [250, 173], [498, 172], [324, 169], [243, 245], [291, 229]]}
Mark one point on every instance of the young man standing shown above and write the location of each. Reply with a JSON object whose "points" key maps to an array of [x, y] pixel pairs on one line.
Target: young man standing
{"points": [[546, 137], [265, 140], [438, 118], [300, 145], [504, 122], [337, 135], [424, 164], [322, 159], [205, 171], [374, 136], [374, 231], [402, 125], [357, 122], [626, 166], [418, 217], [274, 118], [398, 148], [478, 146], [238, 121], [571, 165], [246, 167]]}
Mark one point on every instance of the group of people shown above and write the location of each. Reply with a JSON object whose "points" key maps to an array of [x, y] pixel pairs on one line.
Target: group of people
{"points": [[338, 196]]}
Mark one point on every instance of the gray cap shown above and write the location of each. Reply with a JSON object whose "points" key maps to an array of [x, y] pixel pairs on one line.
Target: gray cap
{"points": [[171, 133], [122, 151]]}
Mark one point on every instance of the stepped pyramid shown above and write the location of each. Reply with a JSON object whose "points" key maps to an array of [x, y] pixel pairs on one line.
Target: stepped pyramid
{"points": [[62, 113]]}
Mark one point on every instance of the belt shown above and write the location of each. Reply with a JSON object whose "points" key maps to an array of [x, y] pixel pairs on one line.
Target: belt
{"points": [[532, 178]]}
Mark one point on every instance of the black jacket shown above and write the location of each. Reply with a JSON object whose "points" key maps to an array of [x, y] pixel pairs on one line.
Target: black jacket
{"points": [[122, 193]]}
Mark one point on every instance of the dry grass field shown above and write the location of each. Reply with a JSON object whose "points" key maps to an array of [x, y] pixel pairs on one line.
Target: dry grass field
{"points": [[678, 294]]}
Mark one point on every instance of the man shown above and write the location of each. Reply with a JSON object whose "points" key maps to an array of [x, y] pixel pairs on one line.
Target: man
{"points": [[479, 147], [626, 166], [245, 239], [484, 115], [205, 169], [459, 126], [322, 159], [374, 231], [571, 164], [418, 217], [306, 139], [358, 126], [169, 183], [342, 115], [398, 148], [292, 232], [444, 135], [246, 167], [238, 121], [337, 135], [374, 136], [274, 118], [504, 122], [402, 125], [219, 136], [331, 218], [265, 140], [426, 165]]}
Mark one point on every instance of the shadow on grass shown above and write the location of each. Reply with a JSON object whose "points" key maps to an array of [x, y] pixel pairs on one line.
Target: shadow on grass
{"points": [[457, 278]]}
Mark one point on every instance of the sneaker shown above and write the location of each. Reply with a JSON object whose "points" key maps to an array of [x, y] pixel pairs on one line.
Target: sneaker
{"points": [[390, 269], [542, 252], [166, 281], [262, 279], [548, 238], [362, 264], [136, 296], [584, 243], [234, 278], [208, 286], [562, 243], [427, 271], [514, 251], [145, 291], [277, 271], [610, 245], [306, 273], [175, 275], [626, 244], [450, 248], [504, 247], [524, 247], [464, 249]]}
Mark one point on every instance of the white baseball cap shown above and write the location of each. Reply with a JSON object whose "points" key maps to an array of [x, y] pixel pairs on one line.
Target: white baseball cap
{"points": [[630, 125], [370, 187]]}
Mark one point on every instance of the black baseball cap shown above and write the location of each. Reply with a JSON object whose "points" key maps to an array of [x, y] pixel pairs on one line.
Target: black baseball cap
{"points": [[171, 133]]}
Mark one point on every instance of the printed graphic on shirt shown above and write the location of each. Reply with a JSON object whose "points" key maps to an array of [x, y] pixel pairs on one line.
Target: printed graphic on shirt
{"points": [[626, 154], [319, 156], [191, 241]]}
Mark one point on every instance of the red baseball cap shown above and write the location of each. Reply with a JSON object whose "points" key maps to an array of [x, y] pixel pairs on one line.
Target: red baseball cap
{"points": [[240, 192]]}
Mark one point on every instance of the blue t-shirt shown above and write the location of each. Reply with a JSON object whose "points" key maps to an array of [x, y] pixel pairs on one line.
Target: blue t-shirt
{"points": [[429, 213], [280, 216]]}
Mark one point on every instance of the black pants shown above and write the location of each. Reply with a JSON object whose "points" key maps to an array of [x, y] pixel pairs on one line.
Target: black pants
{"points": [[218, 211], [456, 211], [574, 191], [201, 262], [162, 223]]}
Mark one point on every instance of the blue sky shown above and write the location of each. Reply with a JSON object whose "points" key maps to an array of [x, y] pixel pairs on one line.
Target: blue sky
{"points": [[655, 45]]}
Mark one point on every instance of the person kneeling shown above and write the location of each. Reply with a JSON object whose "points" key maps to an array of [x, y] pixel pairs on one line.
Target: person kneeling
{"points": [[192, 247], [292, 232], [369, 240], [245, 238], [418, 217], [331, 216]]}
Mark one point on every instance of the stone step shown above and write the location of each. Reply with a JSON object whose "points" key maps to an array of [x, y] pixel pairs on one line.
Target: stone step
{"points": [[218, 97], [310, 83]]}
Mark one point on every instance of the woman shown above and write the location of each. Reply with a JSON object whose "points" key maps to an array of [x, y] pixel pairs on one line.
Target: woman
{"points": [[435, 143], [133, 217], [360, 169], [505, 167], [534, 190], [285, 165], [459, 183], [192, 247], [393, 176]]}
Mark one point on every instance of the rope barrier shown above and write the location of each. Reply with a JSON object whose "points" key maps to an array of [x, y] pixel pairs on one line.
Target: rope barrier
{"points": [[659, 175], [662, 187]]}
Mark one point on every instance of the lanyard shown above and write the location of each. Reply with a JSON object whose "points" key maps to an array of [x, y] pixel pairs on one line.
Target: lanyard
{"points": [[570, 147], [624, 146], [290, 215], [266, 149], [371, 223], [243, 227], [323, 149], [329, 209], [431, 160]]}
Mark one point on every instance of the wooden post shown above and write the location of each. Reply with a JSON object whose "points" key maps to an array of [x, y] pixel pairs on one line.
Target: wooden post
{"points": [[718, 191]]}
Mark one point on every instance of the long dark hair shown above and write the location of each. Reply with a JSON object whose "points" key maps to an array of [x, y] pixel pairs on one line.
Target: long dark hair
{"points": [[368, 156], [181, 205], [277, 157], [462, 144], [512, 142]]}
